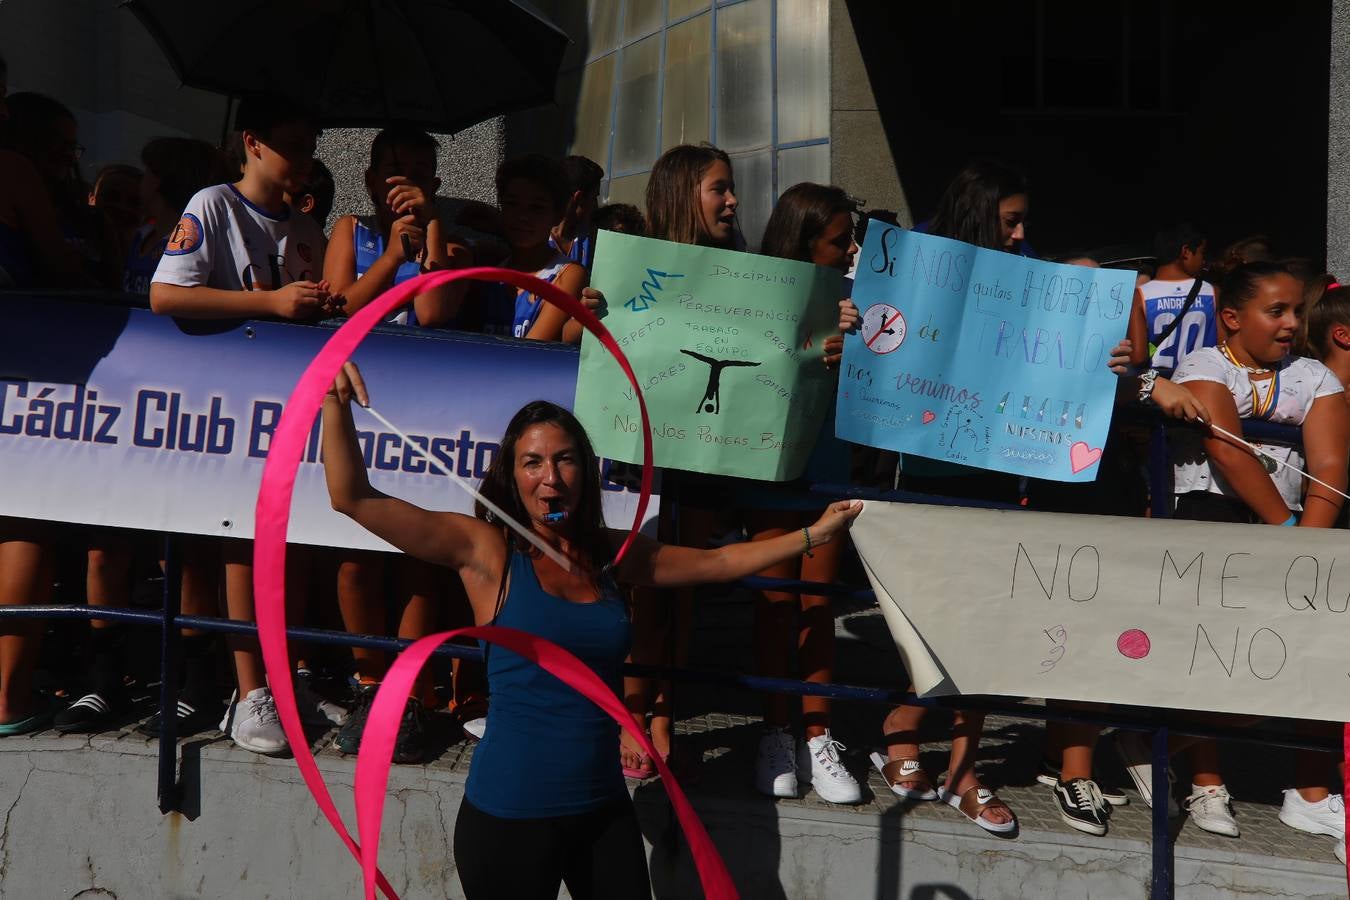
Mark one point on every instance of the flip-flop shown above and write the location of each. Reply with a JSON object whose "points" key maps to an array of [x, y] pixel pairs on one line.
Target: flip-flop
{"points": [[643, 772], [895, 771], [26, 725], [972, 805]]}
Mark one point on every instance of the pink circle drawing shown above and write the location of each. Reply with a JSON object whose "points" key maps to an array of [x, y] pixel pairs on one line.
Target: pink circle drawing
{"points": [[1133, 644]]}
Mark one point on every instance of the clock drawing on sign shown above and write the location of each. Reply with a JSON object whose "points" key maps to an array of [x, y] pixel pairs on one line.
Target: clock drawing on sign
{"points": [[883, 328]]}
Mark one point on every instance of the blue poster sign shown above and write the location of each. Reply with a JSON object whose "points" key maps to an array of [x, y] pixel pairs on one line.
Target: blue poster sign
{"points": [[980, 357]]}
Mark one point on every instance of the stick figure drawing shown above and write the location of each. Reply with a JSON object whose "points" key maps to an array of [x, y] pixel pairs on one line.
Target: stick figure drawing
{"points": [[711, 401]]}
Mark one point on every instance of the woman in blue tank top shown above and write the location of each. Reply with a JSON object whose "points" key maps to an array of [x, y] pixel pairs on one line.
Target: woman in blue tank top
{"points": [[545, 801]]}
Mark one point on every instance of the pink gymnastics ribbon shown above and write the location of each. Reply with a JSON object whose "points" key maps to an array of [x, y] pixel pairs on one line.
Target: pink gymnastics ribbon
{"points": [[269, 558]]}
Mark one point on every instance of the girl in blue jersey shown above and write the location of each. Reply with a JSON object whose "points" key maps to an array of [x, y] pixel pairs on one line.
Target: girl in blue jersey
{"points": [[545, 801], [367, 255], [532, 193]]}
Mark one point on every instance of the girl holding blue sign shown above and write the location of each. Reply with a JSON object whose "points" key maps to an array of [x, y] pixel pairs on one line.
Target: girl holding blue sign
{"points": [[985, 205]]}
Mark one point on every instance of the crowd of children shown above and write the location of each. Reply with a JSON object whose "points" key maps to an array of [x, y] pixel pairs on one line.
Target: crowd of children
{"points": [[211, 235]]}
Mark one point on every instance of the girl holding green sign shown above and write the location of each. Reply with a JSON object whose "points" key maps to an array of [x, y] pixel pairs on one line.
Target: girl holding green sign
{"points": [[691, 199]]}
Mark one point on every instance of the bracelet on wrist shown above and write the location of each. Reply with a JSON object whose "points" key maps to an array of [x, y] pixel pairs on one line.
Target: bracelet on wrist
{"points": [[806, 536], [1146, 383]]}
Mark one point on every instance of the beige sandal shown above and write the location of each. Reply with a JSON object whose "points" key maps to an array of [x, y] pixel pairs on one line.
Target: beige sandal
{"points": [[896, 772], [975, 802]]}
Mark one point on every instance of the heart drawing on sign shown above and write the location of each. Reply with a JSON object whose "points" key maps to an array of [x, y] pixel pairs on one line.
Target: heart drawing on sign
{"points": [[928, 416], [1081, 456]]}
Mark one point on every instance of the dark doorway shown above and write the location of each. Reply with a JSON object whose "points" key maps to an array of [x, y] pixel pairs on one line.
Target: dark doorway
{"points": [[1125, 115]]}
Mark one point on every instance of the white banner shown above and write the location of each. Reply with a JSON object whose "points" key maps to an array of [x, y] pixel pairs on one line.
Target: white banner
{"points": [[1186, 615]]}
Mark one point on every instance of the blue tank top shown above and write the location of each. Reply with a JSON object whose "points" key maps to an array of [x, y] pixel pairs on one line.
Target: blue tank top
{"points": [[139, 269], [16, 258], [494, 308], [549, 751], [368, 242], [582, 251]]}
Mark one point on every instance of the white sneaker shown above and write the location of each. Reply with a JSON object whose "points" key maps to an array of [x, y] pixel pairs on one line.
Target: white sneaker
{"points": [[315, 708], [1137, 757], [475, 728], [776, 766], [1326, 816], [818, 766], [252, 723], [1210, 810]]}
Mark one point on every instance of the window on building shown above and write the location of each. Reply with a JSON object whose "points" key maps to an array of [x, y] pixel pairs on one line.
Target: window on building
{"points": [[751, 76]]}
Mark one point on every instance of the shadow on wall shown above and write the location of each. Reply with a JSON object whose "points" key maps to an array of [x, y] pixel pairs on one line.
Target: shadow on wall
{"points": [[938, 892], [551, 129]]}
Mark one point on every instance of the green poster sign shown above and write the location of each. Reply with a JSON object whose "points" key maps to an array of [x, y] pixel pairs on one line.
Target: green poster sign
{"points": [[727, 347]]}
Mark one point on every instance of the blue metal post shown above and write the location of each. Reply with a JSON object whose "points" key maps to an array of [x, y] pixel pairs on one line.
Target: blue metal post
{"points": [[170, 650], [1162, 837]]}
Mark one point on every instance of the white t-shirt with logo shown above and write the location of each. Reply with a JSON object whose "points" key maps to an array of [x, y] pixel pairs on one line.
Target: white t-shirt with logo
{"points": [[1302, 381], [223, 241]]}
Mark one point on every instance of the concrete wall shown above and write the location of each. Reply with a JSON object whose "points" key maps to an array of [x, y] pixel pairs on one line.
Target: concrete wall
{"points": [[78, 819], [1338, 138], [861, 161], [467, 163]]}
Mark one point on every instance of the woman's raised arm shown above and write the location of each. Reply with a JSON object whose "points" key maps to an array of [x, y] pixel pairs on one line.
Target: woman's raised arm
{"points": [[443, 538]]}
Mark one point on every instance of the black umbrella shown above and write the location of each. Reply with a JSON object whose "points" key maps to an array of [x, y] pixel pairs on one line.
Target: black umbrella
{"points": [[442, 65]]}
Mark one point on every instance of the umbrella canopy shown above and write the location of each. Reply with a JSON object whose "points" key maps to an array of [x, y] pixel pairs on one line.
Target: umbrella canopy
{"points": [[442, 65]]}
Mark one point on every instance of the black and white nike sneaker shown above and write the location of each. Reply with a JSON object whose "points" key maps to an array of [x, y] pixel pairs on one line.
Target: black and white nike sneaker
{"points": [[1081, 805]]}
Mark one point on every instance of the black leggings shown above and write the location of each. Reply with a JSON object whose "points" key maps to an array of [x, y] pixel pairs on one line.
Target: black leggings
{"points": [[600, 855]]}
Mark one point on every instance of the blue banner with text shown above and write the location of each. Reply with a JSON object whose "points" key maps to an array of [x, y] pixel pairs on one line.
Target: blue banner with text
{"points": [[116, 416]]}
